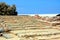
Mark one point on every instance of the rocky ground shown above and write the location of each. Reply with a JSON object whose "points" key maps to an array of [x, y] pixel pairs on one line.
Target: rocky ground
{"points": [[29, 28]]}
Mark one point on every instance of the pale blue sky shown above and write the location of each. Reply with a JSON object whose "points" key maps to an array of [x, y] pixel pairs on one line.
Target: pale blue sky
{"points": [[35, 6]]}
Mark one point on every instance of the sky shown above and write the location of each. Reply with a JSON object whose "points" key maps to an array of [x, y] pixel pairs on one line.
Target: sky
{"points": [[35, 6]]}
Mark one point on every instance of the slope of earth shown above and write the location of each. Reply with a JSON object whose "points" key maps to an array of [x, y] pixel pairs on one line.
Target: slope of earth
{"points": [[28, 28]]}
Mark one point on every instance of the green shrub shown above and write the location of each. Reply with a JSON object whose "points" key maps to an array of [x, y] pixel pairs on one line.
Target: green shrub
{"points": [[6, 9]]}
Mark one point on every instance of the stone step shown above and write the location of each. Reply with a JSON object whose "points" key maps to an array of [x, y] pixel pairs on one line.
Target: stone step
{"points": [[10, 36], [38, 34], [37, 31]]}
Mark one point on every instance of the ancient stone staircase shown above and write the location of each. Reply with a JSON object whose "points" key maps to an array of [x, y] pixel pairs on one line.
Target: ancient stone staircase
{"points": [[29, 28]]}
